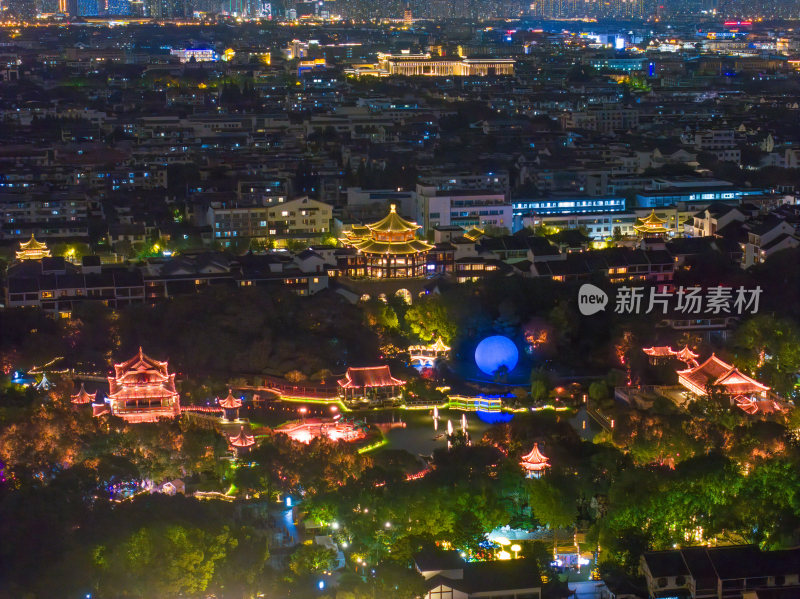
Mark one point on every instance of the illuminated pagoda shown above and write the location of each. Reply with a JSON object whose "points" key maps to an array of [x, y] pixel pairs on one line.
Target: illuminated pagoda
{"points": [[32, 250], [143, 390], [651, 226], [230, 406], [535, 463], [371, 384], [242, 441], [717, 373], [82, 397], [388, 249]]}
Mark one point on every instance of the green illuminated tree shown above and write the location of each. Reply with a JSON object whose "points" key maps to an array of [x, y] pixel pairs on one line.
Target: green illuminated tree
{"points": [[161, 561], [311, 559], [429, 319]]}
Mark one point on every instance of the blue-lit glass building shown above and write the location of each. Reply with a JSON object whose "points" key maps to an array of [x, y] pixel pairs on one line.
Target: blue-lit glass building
{"points": [[553, 206], [672, 197]]}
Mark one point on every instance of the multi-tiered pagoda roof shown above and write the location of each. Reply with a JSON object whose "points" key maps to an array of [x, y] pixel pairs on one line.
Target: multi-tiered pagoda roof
{"points": [[651, 226], [32, 250], [143, 390], [387, 249], [392, 235]]}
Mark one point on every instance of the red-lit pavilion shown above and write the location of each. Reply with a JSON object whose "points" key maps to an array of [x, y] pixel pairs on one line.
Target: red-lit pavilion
{"points": [[143, 390], [718, 373], [535, 463], [242, 441], [82, 397], [230, 406], [373, 383], [660, 353], [688, 356], [753, 405]]}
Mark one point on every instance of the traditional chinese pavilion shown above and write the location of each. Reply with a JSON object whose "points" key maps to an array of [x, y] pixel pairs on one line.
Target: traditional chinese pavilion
{"points": [[651, 226], [32, 250], [388, 248], [687, 356], [754, 405], [371, 384], [82, 397], [535, 463], [720, 374], [427, 354], [44, 384], [230, 406], [143, 390], [661, 353], [242, 441]]}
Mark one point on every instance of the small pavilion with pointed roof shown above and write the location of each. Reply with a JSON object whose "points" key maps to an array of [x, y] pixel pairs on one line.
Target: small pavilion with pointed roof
{"points": [[242, 441], [143, 390], [388, 249], [82, 397], [44, 384], [651, 226], [687, 356], [230, 406], [535, 463], [32, 250]]}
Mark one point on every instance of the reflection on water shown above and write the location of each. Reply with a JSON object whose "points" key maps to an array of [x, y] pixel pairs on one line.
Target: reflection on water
{"points": [[418, 436], [494, 417]]}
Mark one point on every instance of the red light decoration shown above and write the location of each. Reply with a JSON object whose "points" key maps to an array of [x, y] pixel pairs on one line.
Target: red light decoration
{"points": [[143, 390], [82, 397], [535, 463]]}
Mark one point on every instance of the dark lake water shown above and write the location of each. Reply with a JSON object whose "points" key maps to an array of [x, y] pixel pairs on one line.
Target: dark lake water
{"points": [[417, 436]]}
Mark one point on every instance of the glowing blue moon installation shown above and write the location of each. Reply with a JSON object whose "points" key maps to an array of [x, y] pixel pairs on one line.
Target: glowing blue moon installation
{"points": [[494, 352]]}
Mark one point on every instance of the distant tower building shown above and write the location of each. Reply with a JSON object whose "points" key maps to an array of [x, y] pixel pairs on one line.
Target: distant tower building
{"points": [[166, 9], [88, 8], [119, 7], [408, 18]]}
